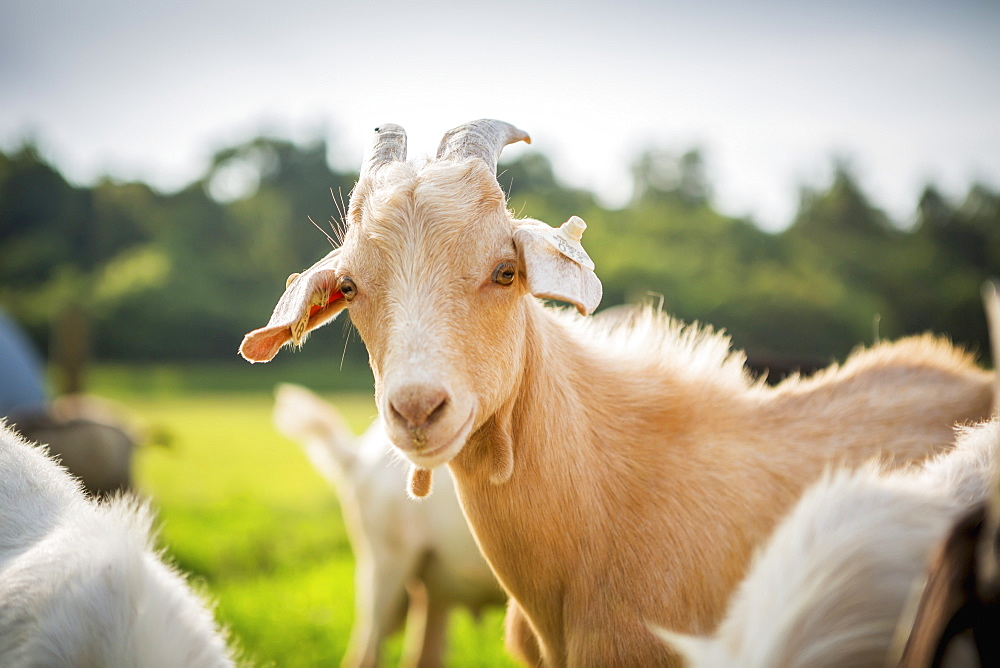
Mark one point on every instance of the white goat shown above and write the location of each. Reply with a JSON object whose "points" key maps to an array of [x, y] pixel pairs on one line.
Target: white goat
{"points": [[80, 584], [957, 621], [611, 476], [398, 544], [833, 582]]}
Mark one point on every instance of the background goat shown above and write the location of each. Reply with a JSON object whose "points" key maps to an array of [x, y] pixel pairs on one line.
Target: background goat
{"points": [[92, 437], [80, 584], [611, 476], [398, 544]]}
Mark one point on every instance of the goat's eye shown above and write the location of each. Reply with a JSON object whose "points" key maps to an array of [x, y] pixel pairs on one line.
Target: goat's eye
{"points": [[505, 273], [347, 288]]}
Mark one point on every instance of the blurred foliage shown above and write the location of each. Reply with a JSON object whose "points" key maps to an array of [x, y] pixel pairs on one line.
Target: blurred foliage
{"points": [[181, 276]]}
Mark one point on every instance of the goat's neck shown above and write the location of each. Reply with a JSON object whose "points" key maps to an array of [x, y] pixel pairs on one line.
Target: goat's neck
{"points": [[572, 466], [547, 417]]}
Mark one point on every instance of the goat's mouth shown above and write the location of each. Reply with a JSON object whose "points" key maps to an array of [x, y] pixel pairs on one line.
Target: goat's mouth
{"points": [[436, 455]]}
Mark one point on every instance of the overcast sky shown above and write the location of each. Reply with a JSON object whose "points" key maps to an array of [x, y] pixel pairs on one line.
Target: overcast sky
{"points": [[772, 91]]}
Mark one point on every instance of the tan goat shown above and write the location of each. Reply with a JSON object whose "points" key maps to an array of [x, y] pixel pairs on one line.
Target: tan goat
{"points": [[612, 475], [835, 584]]}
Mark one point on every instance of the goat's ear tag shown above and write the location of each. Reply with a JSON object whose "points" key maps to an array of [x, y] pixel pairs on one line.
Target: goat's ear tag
{"points": [[556, 265], [566, 240]]}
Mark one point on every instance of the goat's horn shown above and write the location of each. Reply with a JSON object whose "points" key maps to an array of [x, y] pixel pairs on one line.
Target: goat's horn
{"points": [[483, 139], [390, 146]]}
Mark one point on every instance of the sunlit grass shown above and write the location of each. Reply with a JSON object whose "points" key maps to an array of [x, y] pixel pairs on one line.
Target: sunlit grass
{"points": [[242, 511]]}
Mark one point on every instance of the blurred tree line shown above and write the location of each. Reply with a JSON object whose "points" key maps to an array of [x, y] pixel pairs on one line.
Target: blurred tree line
{"points": [[123, 272]]}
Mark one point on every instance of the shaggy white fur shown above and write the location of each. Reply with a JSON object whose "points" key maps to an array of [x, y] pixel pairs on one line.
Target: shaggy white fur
{"points": [[80, 584]]}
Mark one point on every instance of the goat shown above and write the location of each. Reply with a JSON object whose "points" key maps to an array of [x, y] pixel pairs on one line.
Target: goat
{"points": [[958, 617], [957, 620], [91, 436], [835, 583], [80, 584], [611, 475], [398, 545], [838, 573]]}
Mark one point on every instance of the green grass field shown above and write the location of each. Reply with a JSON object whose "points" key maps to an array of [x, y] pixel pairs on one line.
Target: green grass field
{"points": [[243, 513]]}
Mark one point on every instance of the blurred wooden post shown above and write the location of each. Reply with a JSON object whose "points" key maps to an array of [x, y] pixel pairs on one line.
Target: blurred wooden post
{"points": [[70, 349]]}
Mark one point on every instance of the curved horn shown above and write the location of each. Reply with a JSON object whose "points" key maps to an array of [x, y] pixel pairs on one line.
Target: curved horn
{"points": [[483, 139], [389, 146]]}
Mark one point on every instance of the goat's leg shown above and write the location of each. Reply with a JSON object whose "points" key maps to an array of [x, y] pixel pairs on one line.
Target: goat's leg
{"points": [[380, 605], [520, 640], [435, 631], [416, 622]]}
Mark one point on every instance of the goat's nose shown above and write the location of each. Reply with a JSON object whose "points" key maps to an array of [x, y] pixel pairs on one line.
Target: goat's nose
{"points": [[418, 405]]}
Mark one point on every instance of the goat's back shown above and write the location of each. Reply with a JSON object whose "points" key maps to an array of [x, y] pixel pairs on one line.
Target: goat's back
{"points": [[831, 585]]}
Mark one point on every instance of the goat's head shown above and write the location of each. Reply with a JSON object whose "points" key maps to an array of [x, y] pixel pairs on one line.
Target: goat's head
{"points": [[435, 271]]}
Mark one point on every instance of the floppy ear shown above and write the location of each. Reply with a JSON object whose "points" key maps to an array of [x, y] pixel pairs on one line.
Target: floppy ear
{"points": [[310, 300], [553, 273]]}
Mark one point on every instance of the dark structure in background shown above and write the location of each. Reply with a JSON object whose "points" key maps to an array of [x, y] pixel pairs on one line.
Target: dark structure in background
{"points": [[22, 378], [84, 433]]}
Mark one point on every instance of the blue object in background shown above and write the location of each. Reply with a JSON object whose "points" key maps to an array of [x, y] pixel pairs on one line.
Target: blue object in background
{"points": [[22, 374]]}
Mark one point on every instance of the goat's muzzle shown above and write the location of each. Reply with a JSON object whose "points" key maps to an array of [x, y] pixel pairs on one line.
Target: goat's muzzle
{"points": [[424, 422], [418, 405], [417, 408]]}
